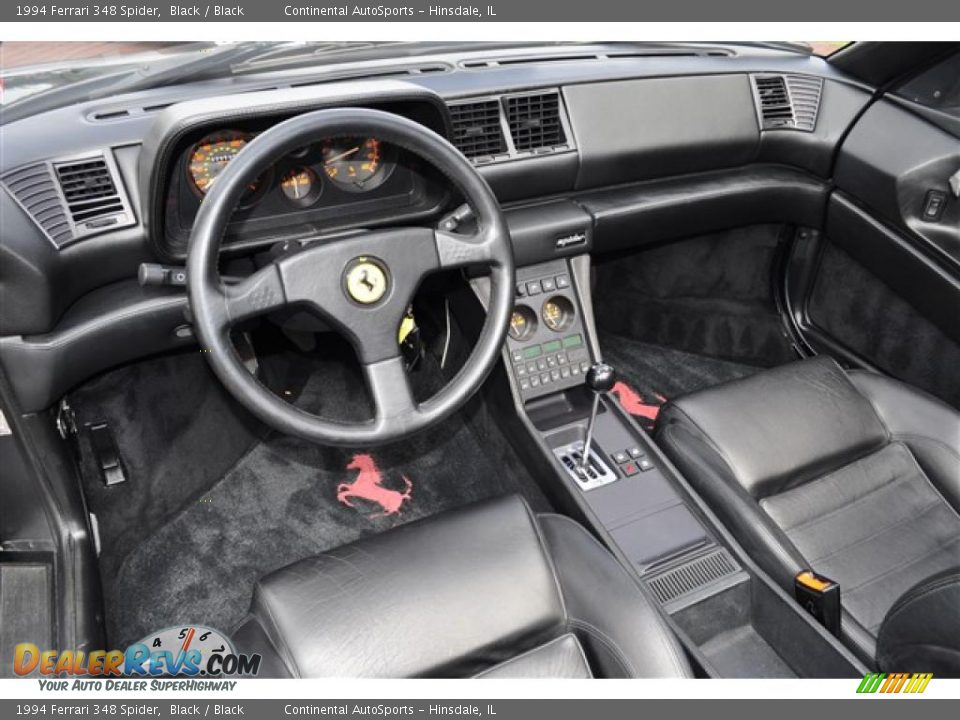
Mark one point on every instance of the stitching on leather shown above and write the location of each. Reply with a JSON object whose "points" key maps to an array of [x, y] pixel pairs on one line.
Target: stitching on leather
{"points": [[933, 485], [927, 438], [909, 518], [535, 650], [670, 642], [707, 440], [286, 654], [894, 480], [250, 617], [545, 552], [905, 563], [607, 642]]}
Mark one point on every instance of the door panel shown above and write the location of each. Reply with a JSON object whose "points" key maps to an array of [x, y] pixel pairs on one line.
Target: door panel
{"points": [[850, 303], [890, 162], [882, 290]]}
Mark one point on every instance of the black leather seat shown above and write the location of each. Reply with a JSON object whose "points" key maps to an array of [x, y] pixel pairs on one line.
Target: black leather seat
{"points": [[851, 474], [489, 590]]}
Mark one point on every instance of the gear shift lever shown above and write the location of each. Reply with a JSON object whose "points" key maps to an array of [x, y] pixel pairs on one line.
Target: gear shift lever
{"points": [[600, 379]]}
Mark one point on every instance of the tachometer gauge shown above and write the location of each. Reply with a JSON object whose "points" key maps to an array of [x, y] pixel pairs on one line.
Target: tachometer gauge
{"points": [[300, 186], [557, 313], [523, 323], [355, 164], [211, 156]]}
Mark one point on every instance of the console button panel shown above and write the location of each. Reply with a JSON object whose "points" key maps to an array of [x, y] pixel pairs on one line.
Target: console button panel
{"points": [[547, 346]]}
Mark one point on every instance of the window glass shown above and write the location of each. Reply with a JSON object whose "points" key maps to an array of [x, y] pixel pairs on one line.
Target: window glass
{"points": [[937, 88]]}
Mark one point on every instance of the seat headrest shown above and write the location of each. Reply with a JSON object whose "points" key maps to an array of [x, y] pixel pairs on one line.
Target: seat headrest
{"points": [[781, 427]]}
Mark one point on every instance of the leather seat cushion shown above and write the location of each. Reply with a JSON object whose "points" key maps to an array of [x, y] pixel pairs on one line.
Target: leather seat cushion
{"points": [[877, 525], [855, 476]]}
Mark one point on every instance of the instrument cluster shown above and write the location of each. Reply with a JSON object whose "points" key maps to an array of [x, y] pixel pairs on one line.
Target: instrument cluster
{"points": [[351, 164], [330, 185]]}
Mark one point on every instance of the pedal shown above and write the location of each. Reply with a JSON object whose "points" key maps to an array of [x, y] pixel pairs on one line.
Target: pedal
{"points": [[596, 473], [106, 454]]}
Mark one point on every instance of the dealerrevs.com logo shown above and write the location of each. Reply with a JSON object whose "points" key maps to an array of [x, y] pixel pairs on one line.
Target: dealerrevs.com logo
{"points": [[893, 683], [183, 652]]}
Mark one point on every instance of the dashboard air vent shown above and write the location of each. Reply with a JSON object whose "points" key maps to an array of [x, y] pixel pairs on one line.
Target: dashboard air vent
{"points": [[91, 192], [535, 122], [72, 198], [788, 101], [477, 131], [34, 189], [774, 101]]}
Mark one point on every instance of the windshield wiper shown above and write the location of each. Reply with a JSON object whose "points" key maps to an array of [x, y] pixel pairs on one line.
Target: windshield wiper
{"points": [[209, 62]]}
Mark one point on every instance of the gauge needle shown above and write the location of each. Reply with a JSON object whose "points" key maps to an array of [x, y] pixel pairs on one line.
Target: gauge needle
{"points": [[341, 156]]}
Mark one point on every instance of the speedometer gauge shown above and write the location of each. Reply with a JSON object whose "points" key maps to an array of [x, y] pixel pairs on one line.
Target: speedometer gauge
{"points": [[211, 156], [355, 164]]}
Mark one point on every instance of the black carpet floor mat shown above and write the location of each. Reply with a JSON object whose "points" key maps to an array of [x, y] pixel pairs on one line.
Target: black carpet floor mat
{"points": [[649, 375], [191, 552], [711, 295]]}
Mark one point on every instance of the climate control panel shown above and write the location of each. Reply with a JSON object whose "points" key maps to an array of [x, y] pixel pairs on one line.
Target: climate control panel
{"points": [[546, 343]]}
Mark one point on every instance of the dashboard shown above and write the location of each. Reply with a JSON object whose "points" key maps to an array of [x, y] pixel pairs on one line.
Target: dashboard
{"points": [[571, 179], [586, 155]]}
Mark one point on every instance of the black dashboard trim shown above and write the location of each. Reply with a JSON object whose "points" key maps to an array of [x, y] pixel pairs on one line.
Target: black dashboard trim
{"points": [[645, 213]]}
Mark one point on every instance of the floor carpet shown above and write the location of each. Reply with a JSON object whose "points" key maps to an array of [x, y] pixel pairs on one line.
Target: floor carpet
{"points": [[277, 502], [654, 374]]}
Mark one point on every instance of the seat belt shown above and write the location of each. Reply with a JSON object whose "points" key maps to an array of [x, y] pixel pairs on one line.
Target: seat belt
{"points": [[819, 596]]}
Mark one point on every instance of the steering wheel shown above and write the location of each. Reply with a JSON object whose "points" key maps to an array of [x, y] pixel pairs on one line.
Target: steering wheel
{"points": [[361, 284]]}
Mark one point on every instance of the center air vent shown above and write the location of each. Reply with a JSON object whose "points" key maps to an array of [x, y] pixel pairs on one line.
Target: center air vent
{"points": [[71, 199], [477, 131], [534, 121], [510, 127], [788, 102]]}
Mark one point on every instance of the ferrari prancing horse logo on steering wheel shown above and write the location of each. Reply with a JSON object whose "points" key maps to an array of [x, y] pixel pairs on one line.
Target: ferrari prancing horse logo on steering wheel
{"points": [[366, 281]]}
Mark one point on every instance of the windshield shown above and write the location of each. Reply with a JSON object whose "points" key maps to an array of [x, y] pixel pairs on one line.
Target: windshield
{"points": [[42, 76], [825, 48], [28, 68]]}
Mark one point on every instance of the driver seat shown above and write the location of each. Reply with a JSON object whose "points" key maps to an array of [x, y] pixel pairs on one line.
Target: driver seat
{"points": [[490, 590]]}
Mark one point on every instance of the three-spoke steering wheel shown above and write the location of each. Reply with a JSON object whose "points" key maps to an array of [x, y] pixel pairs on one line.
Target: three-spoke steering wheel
{"points": [[361, 285]]}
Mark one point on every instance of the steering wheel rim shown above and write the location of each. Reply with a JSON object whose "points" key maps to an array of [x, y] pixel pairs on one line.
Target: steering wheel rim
{"points": [[318, 277]]}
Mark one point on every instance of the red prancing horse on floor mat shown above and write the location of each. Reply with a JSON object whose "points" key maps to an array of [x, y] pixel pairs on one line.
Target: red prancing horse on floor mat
{"points": [[369, 486], [632, 402]]}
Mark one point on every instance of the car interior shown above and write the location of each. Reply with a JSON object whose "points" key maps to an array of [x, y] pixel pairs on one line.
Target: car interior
{"points": [[567, 360]]}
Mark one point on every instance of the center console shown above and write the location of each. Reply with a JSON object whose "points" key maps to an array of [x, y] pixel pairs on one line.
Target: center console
{"points": [[733, 620]]}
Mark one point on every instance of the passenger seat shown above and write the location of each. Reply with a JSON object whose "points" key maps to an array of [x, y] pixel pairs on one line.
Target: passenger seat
{"points": [[850, 474]]}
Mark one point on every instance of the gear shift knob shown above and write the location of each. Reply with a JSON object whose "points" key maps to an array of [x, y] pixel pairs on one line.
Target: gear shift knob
{"points": [[601, 377]]}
